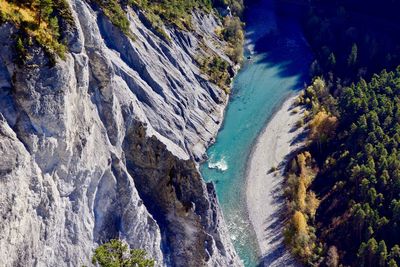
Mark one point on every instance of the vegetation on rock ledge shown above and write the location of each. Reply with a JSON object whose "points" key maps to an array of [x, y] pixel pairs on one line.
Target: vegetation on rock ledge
{"points": [[37, 20], [172, 12], [116, 253], [217, 69]]}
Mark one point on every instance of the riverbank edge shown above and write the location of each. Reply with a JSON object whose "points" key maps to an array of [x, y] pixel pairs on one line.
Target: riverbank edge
{"points": [[264, 188]]}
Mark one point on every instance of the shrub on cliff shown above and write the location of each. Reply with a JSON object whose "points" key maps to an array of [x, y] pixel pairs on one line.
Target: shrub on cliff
{"points": [[233, 35], [38, 21], [116, 253]]}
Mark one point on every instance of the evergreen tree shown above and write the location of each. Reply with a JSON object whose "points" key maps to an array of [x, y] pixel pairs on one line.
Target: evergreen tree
{"points": [[352, 59], [44, 9], [392, 263], [382, 251], [332, 60]]}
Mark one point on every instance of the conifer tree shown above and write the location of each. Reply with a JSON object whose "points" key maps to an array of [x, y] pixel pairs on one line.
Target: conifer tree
{"points": [[44, 9]]}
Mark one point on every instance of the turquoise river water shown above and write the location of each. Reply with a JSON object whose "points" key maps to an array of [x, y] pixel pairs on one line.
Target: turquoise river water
{"points": [[277, 64]]}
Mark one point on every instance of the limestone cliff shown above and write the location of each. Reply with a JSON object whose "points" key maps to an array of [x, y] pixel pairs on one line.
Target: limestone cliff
{"points": [[103, 144]]}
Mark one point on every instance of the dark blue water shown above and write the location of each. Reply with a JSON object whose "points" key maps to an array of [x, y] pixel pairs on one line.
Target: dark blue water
{"points": [[279, 65]]}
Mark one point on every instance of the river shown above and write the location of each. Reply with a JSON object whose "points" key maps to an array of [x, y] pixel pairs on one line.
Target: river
{"points": [[277, 64]]}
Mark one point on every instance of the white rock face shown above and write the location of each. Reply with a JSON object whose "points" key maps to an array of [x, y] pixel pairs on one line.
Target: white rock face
{"points": [[102, 146]]}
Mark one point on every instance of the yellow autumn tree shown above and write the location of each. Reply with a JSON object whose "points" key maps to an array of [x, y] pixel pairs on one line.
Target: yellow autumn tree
{"points": [[302, 244], [312, 203], [301, 195], [322, 127], [301, 161], [307, 156], [318, 88], [304, 165], [299, 223]]}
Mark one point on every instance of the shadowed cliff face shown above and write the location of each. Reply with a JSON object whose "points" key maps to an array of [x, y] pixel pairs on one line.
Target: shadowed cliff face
{"points": [[175, 194], [102, 145]]}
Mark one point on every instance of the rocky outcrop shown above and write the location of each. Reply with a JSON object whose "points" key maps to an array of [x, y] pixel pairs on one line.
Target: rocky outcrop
{"points": [[104, 143]]}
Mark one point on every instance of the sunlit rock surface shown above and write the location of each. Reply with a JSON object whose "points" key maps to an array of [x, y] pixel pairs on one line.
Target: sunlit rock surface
{"points": [[104, 144]]}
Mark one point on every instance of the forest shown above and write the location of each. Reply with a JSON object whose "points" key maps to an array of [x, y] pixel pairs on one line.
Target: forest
{"points": [[352, 39], [343, 188]]}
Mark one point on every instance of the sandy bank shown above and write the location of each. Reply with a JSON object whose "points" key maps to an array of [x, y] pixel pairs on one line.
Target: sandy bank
{"points": [[265, 200]]}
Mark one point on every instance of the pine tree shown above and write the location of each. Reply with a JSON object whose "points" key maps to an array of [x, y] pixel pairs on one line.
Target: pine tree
{"points": [[332, 60], [392, 263], [44, 9], [382, 251], [352, 59], [372, 247]]}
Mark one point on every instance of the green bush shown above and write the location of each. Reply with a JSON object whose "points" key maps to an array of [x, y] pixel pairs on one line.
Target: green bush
{"points": [[233, 34], [113, 10], [37, 20], [217, 69], [21, 51], [171, 12], [116, 253]]}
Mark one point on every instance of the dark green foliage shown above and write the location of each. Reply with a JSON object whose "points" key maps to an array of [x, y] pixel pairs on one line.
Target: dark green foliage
{"points": [[382, 253], [21, 51], [359, 167], [352, 59], [365, 159], [392, 263], [62, 10], [177, 13], [171, 12], [233, 34], [116, 253], [38, 23], [364, 36], [217, 69], [53, 25], [44, 9], [232, 31], [332, 60], [158, 13], [113, 10]]}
